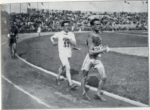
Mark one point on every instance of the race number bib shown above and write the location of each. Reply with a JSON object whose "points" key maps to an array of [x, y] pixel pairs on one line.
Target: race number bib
{"points": [[97, 48], [66, 44]]}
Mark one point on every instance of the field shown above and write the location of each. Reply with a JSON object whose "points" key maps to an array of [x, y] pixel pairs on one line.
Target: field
{"points": [[127, 75], [136, 32]]}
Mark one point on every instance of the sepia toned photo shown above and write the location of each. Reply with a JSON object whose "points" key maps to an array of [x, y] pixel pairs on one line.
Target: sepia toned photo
{"points": [[74, 54]]}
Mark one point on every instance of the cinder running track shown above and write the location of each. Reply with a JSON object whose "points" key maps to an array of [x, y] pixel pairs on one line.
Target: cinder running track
{"points": [[24, 87]]}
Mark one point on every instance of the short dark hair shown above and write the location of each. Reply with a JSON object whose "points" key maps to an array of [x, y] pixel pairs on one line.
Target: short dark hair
{"points": [[93, 20], [62, 24]]}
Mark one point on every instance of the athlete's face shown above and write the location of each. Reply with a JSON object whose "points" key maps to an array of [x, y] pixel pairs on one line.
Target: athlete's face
{"points": [[66, 27], [96, 25]]}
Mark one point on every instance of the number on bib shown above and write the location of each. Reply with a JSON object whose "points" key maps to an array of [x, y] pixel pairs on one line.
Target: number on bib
{"points": [[66, 44], [97, 48]]}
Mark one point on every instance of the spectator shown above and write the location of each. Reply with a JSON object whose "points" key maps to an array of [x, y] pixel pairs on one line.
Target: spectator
{"points": [[50, 21]]}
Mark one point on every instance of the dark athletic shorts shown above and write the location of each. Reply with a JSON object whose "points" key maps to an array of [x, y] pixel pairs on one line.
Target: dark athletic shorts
{"points": [[12, 40]]}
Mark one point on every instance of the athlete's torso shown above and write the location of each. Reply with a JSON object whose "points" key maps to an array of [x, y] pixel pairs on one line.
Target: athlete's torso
{"points": [[64, 46], [96, 42], [13, 32]]}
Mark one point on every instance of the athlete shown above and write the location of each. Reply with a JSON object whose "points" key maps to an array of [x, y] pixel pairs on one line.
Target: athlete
{"points": [[39, 30], [12, 40], [65, 42], [94, 43]]}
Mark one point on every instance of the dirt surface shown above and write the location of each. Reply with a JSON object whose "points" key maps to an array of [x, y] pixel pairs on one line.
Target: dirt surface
{"points": [[42, 86], [16, 99], [127, 75]]}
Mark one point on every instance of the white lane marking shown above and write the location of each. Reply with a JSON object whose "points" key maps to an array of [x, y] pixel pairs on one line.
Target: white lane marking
{"points": [[91, 88], [131, 34], [27, 93]]}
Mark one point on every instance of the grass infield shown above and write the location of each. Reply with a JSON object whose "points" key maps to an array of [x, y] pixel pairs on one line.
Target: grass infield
{"points": [[127, 75], [136, 32]]}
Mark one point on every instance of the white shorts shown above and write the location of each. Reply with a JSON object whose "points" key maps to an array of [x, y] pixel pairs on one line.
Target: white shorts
{"points": [[38, 31], [64, 60], [90, 62]]}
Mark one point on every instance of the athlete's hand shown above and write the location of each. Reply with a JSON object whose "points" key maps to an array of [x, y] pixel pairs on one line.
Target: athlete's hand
{"points": [[55, 43], [108, 49], [76, 48], [105, 48]]}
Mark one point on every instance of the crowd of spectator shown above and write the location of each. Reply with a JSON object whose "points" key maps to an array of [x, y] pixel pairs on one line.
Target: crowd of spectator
{"points": [[51, 20]]}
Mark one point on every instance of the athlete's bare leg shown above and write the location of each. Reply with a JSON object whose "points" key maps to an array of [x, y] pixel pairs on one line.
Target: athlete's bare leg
{"points": [[83, 84], [11, 50], [61, 70], [14, 49], [68, 75], [101, 84]]}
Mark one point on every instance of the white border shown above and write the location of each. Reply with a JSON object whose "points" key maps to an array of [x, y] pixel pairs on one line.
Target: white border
{"points": [[25, 1]]}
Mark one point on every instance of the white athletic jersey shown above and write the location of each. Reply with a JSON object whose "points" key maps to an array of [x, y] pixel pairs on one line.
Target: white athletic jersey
{"points": [[64, 47], [39, 29]]}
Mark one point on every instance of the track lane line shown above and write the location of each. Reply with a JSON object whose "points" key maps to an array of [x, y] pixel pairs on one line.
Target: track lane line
{"points": [[27, 93], [91, 88], [131, 34]]}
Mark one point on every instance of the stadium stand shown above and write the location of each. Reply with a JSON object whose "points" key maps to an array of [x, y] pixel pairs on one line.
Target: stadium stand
{"points": [[50, 20]]}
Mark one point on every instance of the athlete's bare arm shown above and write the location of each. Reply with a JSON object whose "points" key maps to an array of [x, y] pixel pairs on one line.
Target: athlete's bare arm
{"points": [[52, 40], [72, 42], [17, 36], [8, 36]]}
